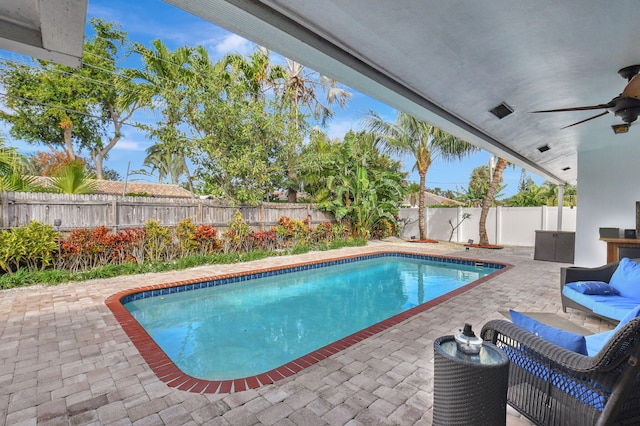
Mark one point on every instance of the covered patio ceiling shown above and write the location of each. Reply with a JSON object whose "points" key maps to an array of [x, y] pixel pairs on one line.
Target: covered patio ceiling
{"points": [[450, 62], [45, 29]]}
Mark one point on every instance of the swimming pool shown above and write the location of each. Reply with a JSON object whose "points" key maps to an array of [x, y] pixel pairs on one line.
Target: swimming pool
{"points": [[270, 324]]}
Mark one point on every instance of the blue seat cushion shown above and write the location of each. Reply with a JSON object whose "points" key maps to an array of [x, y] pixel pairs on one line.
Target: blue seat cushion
{"points": [[595, 342], [617, 308], [626, 279], [589, 300], [568, 340]]}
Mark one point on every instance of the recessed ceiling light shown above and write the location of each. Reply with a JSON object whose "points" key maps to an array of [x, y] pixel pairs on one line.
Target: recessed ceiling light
{"points": [[544, 148], [566, 168], [501, 111]]}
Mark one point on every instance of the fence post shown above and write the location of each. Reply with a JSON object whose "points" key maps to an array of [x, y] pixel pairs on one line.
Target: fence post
{"points": [[544, 218], [114, 215], [498, 225], [459, 216], [4, 214]]}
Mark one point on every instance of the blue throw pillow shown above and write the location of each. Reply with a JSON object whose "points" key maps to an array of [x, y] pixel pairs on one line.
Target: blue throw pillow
{"points": [[626, 279], [568, 340], [593, 287]]}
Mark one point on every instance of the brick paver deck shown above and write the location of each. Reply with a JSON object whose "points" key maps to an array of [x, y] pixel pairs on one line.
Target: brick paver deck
{"points": [[64, 359]]}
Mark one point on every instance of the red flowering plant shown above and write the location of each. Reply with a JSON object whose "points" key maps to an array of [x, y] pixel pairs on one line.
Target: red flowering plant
{"points": [[265, 240], [207, 239], [85, 249], [291, 232], [127, 245], [323, 233]]}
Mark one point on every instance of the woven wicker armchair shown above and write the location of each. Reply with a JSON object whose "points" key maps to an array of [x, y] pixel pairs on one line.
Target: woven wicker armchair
{"points": [[551, 385]]}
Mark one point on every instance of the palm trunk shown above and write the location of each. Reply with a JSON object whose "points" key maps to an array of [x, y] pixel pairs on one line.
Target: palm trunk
{"points": [[488, 200], [423, 234]]}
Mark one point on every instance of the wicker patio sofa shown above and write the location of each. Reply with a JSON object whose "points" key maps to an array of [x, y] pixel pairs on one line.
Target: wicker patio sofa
{"points": [[551, 385], [610, 308]]}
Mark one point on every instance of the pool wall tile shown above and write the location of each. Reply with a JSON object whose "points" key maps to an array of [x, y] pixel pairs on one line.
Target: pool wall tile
{"points": [[164, 368]]}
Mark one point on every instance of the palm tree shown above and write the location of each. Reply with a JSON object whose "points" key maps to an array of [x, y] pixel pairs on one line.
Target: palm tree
{"points": [[167, 76], [301, 91], [72, 179], [488, 199], [166, 163], [258, 73], [424, 142], [414, 192], [13, 166]]}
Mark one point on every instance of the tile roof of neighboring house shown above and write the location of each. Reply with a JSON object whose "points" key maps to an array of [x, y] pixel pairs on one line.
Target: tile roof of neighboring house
{"points": [[431, 199], [117, 187], [151, 189]]}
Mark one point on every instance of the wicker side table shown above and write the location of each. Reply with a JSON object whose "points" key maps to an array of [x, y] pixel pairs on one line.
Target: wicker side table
{"points": [[469, 389]]}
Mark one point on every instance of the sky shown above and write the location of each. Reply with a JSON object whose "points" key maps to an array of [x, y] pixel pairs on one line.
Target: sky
{"points": [[147, 20]]}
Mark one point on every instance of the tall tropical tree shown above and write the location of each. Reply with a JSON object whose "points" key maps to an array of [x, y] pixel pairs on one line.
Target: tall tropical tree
{"points": [[548, 194], [70, 110], [426, 143], [165, 163], [496, 178], [302, 91], [256, 71], [238, 130], [165, 82], [116, 96]]}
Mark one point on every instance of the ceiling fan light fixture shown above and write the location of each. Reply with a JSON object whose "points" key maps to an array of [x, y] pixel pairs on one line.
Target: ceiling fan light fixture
{"points": [[501, 111], [620, 128]]}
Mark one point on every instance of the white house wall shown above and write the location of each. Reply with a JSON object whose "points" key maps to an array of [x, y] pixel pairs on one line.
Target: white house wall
{"points": [[608, 190]]}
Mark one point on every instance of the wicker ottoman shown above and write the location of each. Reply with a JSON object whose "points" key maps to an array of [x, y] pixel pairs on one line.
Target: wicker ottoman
{"points": [[469, 390]]}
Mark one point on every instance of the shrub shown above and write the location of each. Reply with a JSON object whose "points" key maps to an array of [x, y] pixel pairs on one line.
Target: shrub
{"points": [[186, 235], [291, 232], [207, 238], [323, 233], [264, 240], [237, 236], [382, 229], [157, 244], [127, 246], [31, 246]]}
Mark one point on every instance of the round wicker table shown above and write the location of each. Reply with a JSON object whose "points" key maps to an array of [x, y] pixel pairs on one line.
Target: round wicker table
{"points": [[469, 389]]}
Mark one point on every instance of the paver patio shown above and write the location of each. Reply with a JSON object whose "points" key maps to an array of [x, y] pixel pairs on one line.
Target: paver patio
{"points": [[64, 359]]}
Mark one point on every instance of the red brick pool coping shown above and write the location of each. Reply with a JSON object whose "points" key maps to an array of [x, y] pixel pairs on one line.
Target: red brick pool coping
{"points": [[169, 373]]}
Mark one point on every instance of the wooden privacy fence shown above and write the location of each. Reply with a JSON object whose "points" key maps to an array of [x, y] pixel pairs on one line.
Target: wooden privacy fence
{"points": [[118, 212]]}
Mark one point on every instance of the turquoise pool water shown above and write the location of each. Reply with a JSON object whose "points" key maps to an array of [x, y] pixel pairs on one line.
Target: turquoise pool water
{"points": [[246, 328]]}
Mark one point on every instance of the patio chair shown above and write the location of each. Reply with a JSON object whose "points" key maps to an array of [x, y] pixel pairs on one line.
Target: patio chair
{"points": [[551, 385]]}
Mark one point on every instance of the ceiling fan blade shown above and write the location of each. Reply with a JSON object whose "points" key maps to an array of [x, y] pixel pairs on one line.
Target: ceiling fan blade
{"points": [[632, 89], [583, 121], [582, 108]]}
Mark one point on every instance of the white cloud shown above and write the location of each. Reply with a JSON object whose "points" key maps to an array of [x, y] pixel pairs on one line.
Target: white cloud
{"points": [[233, 43], [128, 145], [338, 128]]}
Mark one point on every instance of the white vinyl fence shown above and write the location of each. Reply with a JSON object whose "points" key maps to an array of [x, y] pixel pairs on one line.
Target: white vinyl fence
{"points": [[510, 226]]}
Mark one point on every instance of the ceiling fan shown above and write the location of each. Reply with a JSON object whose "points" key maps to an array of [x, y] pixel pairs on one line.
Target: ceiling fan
{"points": [[626, 105]]}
